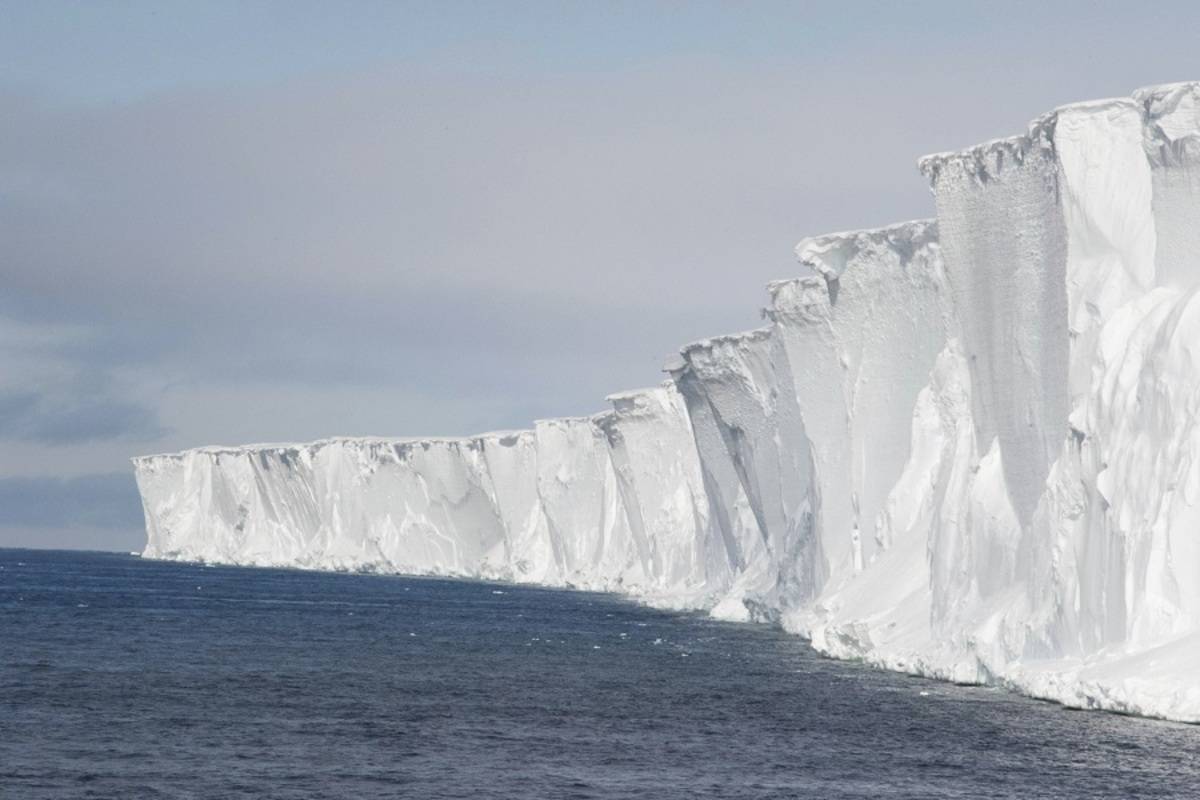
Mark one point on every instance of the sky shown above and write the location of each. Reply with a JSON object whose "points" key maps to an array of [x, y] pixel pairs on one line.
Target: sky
{"points": [[236, 222]]}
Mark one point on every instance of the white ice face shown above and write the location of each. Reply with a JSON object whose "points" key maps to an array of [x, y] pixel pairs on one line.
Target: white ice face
{"points": [[967, 448]]}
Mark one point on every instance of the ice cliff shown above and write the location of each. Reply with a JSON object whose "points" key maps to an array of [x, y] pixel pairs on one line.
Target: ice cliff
{"points": [[966, 448]]}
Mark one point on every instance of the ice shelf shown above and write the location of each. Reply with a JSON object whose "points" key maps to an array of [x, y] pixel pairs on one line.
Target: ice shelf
{"points": [[966, 448]]}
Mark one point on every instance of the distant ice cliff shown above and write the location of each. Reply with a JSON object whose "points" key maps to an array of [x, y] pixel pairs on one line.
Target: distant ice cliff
{"points": [[966, 448]]}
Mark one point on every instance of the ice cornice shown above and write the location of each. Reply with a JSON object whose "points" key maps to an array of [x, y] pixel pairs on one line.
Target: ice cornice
{"points": [[710, 357], [289, 447], [828, 255], [633, 395], [504, 433], [675, 365], [1171, 115], [987, 161], [641, 403], [705, 348], [398, 443], [1093, 106], [802, 300], [1166, 97], [568, 422], [506, 438], [605, 422], [634, 399]]}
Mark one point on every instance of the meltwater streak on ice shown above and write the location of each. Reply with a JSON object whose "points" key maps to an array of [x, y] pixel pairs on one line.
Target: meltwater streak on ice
{"points": [[128, 678], [965, 448]]}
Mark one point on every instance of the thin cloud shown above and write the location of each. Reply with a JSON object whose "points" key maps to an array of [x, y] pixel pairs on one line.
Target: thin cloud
{"points": [[102, 501], [67, 420]]}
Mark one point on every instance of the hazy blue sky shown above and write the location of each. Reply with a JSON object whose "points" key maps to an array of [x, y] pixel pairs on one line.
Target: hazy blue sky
{"points": [[240, 222]]}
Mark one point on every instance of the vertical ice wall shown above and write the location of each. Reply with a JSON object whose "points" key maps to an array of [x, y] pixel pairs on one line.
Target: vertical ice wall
{"points": [[1045, 236], [1004, 242], [245, 519], [966, 449], [657, 466], [861, 334], [734, 522], [456, 523], [744, 381], [421, 506], [511, 459], [584, 507], [615, 501]]}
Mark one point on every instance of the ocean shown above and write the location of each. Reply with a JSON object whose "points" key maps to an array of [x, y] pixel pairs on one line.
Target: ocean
{"points": [[126, 678]]}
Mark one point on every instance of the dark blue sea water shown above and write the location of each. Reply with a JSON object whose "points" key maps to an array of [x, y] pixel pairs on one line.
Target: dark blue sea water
{"points": [[123, 678]]}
